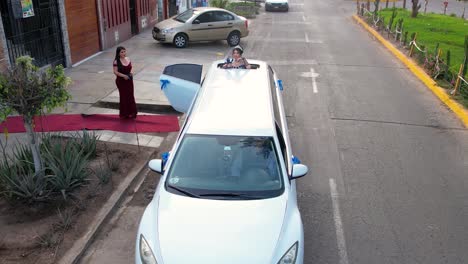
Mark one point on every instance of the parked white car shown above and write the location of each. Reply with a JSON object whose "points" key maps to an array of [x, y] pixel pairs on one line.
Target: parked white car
{"points": [[276, 5], [227, 194]]}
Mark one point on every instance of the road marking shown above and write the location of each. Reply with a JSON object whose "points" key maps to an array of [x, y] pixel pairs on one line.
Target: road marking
{"points": [[303, 18], [314, 75], [294, 62], [307, 38], [340, 239]]}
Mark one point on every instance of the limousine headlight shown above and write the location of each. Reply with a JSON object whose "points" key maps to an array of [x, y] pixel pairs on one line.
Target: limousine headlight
{"points": [[290, 256], [146, 254]]}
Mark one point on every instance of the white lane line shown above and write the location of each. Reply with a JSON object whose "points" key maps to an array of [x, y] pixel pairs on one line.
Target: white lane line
{"points": [[314, 75], [307, 38], [338, 223]]}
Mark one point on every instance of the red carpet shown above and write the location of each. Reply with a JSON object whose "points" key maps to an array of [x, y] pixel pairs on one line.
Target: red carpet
{"points": [[143, 123]]}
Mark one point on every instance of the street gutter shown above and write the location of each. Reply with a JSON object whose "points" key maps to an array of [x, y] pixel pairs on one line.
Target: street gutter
{"points": [[76, 252]]}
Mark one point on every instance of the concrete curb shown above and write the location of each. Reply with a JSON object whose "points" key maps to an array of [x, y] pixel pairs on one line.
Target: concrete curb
{"points": [[74, 254], [147, 108], [456, 108]]}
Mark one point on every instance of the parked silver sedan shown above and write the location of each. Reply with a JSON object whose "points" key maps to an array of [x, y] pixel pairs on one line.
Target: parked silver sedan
{"points": [[202, 23]]}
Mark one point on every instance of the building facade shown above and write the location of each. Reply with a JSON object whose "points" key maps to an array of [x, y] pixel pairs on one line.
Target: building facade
{"points": [[66, 32]]}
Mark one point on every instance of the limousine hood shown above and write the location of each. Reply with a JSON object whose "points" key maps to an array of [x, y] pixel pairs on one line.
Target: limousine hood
{"points": [[206, 231]]}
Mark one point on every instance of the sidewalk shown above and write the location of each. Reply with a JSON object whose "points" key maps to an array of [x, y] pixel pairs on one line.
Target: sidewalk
{"points": [[94, 91]]}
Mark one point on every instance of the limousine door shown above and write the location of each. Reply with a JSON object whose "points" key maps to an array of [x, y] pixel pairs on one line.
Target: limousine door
{"points": [[180, 83]]}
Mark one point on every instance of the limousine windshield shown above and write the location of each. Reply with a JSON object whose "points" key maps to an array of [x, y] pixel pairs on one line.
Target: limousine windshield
{"points": [[226, 167]]}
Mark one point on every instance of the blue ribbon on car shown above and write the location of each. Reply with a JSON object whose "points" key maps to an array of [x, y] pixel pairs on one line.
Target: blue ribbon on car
{"points": [[280, 85], [164, 83], [164, 157], [296, 160]]}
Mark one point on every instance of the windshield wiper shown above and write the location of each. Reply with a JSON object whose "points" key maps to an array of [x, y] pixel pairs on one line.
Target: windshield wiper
{"points": [[183, 191], [229, 194]]}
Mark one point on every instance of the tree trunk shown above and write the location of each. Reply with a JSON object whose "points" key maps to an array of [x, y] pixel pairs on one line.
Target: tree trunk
{"points": [[415, 8], [386, 4], [463, 14], [33, 144], [376, 4], [404, 4], [425, 6]]}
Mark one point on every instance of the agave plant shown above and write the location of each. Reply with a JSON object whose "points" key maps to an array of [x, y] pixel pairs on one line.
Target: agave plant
{"points": [[68, 166], [87, 142], [18, 183], [23, 156]]}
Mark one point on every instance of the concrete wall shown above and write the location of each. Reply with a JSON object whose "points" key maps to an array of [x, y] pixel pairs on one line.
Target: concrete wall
{"points": [[4, 58], [65, 39]]}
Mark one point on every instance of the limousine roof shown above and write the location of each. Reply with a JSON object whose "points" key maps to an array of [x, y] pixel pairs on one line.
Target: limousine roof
{"points": [[234, 102]]}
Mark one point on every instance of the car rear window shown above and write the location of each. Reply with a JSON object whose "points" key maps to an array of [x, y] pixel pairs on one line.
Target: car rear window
{"points": [[207, 165]]}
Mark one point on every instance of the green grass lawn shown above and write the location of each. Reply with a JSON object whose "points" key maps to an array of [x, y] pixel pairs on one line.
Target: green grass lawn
{"points": [[448, 31]]}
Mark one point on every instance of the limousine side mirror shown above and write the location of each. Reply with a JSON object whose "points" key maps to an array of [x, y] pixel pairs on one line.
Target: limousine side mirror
{"points": [[298, 171], [196, 22], [155, 165]]}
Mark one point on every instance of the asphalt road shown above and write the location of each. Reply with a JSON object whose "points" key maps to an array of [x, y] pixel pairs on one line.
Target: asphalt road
{"points": [[388, 179]]}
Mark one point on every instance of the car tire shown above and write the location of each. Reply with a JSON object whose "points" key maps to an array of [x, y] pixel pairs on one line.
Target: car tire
{"points": [[180, 40], [233, 39]]}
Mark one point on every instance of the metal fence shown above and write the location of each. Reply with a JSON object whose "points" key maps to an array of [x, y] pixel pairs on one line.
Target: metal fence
{"points": [[38, 36]]}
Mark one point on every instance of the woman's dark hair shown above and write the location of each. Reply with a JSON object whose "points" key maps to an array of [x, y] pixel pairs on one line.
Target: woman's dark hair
{"points": [[238, 50], [117, 57]]}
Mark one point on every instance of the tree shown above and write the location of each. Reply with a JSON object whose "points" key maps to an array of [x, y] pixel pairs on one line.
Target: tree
{"points": [[27, 90], [465, 59], [464, 7], [220, 3], [376, 5], [404, 4], [415, 8], [425, 5]]}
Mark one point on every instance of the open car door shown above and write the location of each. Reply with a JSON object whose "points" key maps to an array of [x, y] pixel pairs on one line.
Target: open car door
{"points": [[180, 83]]}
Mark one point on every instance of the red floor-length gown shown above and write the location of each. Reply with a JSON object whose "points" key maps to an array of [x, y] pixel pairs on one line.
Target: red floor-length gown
{"points": [[127, 99]]}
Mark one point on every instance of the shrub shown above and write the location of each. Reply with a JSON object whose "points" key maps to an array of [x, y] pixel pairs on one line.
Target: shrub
{"points": [[18, 179], [87, 142], [65, 168], [22, 154], [453, 15], [103, 173], [244, 9], [112, 163], [68, 166], [219, 3], [18, 183]]}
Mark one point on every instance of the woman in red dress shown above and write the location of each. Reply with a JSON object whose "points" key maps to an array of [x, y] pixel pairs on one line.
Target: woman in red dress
{"points": [[124, 82]]}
